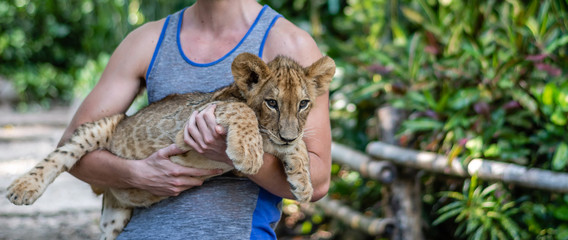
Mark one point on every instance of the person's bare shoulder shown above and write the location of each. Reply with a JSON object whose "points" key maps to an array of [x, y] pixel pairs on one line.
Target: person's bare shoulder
{"points": [[287, 39], [139, 45], [147, 33]]}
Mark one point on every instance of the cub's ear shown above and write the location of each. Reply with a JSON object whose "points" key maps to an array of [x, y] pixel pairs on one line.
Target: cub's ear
{"points": [[248, 70], [321, 72]]}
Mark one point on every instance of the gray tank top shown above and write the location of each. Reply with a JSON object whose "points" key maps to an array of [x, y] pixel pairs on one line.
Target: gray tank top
{"points": [[224, 207]]}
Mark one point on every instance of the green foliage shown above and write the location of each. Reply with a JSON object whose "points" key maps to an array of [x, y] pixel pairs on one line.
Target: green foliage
{"points": [[481, 76], [476, 71], [546, 217], [351, 187], [44, 43], [481, 212], [49, 48]]}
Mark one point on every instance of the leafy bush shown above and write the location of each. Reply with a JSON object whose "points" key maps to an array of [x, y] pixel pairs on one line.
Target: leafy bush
{"points": [[49, 48], [482, 213]]}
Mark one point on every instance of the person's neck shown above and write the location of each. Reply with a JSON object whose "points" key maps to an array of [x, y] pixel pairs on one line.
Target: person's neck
{"points": [[219, 15]]}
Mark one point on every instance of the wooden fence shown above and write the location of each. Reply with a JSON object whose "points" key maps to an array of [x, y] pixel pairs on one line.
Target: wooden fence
{"points": [[385, 163]]}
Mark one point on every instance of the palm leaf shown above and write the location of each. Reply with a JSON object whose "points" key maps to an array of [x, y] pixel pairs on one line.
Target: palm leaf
{"points": [[445, 216], [489, 190], [451, 206], [454, 195], [511, 227]]}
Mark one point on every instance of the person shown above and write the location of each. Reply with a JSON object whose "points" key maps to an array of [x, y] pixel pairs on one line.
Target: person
{"points": [[192, 50]]}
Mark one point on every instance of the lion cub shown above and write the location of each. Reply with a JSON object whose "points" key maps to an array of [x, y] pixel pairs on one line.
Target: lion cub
{"points": [[264, 110]]}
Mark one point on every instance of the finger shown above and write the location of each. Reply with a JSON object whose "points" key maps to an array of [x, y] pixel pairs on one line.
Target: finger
{"points": [[220, 130], [210, 119], [194, 130], [184, 183], [204, 130], [173, 170], [196, 172], [178, 185], [172, 150], [168, 151], [189, 140]]}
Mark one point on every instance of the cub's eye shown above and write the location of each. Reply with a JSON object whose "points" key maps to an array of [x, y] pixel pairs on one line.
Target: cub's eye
{"points": [[272, 103], [304, 103]]}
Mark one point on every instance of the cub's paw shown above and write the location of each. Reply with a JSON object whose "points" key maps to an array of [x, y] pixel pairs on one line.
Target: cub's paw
{"points": [[305, 195], [24, 191], [112, 228], [302, 191], [246, 153]]}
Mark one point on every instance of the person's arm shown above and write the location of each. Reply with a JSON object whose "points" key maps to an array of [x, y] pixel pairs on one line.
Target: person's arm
{"points": [[118, 86], [284, 39], [287, 39]]}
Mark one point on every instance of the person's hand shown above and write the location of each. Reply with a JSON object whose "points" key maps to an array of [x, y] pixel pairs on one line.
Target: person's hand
{"points": [[205, 136], [160, 176]]}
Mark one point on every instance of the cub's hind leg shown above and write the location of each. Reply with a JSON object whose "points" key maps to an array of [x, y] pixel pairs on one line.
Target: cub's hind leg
{"points": [[113, 218], [88, 137]]}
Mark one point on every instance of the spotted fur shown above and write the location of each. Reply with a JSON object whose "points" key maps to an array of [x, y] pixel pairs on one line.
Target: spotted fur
{"points": [[265, 110]]}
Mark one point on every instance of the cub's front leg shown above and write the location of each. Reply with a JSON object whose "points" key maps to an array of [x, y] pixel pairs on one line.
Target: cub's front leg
{"points": [[244, 142], [297, 167]]}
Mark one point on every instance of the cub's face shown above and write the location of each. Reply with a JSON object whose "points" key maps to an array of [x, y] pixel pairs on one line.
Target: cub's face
{"points": [[281, 92]]}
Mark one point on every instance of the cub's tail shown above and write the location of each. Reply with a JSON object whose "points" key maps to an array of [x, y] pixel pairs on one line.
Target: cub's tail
{"points": [[88, 137]]}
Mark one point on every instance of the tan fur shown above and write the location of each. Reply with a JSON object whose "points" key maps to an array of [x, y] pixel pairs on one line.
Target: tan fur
{"points": [[265, 110]]}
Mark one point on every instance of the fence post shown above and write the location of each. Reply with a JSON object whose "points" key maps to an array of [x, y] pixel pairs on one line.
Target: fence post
{"points": [[402, 197]]}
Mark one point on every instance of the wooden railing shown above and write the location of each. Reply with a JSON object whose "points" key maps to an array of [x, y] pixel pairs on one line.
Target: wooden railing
{"points": [[485, 169], [384, 162]]}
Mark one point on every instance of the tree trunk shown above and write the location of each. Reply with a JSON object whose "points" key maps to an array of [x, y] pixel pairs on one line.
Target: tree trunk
{"points": [[403, 196]]}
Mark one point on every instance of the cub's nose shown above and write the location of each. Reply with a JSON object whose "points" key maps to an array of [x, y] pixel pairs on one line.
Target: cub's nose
{"points": [[287, 139]]}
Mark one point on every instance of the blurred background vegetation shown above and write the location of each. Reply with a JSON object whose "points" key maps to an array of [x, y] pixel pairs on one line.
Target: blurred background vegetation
{"points": [[477, 79]]}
